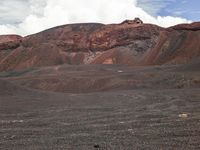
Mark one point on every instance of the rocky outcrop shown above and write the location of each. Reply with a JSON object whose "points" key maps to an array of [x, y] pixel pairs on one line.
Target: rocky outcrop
{"points": [[9, 38], [9, 42], [126, 43], [135, 21]]}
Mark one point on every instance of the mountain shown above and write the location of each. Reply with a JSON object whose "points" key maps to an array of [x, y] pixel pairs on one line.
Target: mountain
{"points": [[128, 43], [94, 86]]}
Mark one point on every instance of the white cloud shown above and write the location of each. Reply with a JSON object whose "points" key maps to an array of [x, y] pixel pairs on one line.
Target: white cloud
{"points": [[48, 13], [8, 29], [13, 11]]}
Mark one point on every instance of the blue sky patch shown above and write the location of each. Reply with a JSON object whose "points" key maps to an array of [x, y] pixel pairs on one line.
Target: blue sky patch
{"points": [[188, 9]]}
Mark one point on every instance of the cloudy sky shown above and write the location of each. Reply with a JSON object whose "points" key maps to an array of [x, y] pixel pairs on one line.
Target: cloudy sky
{"points": [[30, 16]]}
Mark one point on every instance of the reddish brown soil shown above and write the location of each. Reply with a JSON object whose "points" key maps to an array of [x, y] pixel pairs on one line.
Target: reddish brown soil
{"points": [[192, 27], [96, 78]]}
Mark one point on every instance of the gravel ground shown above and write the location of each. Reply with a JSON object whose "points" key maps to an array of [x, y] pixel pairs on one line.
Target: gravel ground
{"points": [[150, 119], [131, 119]]}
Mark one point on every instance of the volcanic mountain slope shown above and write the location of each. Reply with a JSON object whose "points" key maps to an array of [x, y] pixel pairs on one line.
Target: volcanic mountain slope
{"points": [[126, 43]]}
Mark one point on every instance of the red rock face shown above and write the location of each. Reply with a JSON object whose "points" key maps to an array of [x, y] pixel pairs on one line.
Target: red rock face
{"points": [[9, 38], [175, 47], [129, 44], [7, 44], [9, 41]]}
